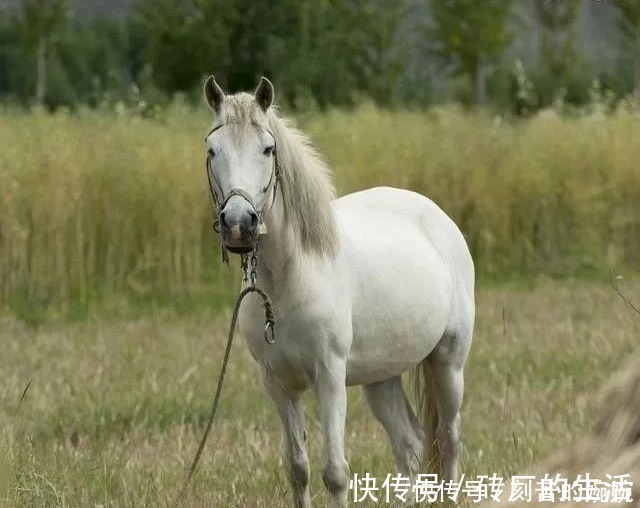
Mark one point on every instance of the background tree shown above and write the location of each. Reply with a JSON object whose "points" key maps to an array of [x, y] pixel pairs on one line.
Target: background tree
{"points": [[558, 55], [320, 52], [186, 39], [629, 24], [468, 35], [306, 53], [327, 50], [375, 37], [40, 21]]}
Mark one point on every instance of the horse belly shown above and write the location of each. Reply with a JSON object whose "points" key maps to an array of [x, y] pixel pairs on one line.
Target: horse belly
{"points": [[401, 310]]}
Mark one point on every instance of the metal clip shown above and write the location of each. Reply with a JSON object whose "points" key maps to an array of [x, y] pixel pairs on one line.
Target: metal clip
{"points": [[269, 327]]}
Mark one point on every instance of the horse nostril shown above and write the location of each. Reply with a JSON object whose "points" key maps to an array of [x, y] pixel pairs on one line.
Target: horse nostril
{"points": [[222, 221], [254, 219]]}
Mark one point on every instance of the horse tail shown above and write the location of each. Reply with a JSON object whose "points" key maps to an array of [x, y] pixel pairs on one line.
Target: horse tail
{"points": [[427, 411]]}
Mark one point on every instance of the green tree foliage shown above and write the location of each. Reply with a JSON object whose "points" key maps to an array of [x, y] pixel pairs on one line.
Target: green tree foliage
{"points": [[12, 66], [470, 34], [563, 71], [39, 22], [319, 52], [329, 49], [88, 61], [184, 38], [629, 24], [97, 56], [374, 36]]}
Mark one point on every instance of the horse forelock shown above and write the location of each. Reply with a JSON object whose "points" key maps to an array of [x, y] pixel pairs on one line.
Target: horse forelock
{"points": [[305, 179], [242, 113]]}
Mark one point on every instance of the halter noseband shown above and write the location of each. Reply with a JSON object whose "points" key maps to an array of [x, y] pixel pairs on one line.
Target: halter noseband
{"points": [[275, 175]]}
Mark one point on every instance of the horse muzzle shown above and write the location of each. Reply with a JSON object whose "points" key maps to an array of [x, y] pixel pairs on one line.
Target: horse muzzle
{"points": [[239, 227]]}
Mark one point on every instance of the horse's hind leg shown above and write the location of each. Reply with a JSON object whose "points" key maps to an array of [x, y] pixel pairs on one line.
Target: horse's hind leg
{"points": [[390, 406], [447, 363]]}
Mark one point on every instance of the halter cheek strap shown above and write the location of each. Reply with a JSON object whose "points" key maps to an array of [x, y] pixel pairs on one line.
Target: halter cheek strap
{"points": [[275, 176]]}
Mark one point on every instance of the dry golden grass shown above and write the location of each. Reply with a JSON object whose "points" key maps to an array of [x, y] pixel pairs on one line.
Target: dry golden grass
{"points": [[97, 206], [114, 409], [611, 449]]}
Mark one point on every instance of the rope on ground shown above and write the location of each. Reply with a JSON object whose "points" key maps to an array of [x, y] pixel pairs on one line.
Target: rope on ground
{"points": [[269, 319]]}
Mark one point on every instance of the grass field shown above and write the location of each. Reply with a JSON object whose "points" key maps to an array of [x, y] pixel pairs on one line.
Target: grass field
{"points": [[97, 207], [112, 301], [114, 408]]}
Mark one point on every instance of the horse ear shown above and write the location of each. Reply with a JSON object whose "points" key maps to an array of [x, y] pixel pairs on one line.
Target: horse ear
{"points": [[214, 94], [264, 93]]}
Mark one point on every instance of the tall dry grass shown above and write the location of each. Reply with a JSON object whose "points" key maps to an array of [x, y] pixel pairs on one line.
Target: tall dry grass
{"points": [[114, 409], [101, 204], [553, 195], [98, 204]]}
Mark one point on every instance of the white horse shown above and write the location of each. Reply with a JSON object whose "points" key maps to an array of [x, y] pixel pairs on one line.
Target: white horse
{"points": [[364, 288]]}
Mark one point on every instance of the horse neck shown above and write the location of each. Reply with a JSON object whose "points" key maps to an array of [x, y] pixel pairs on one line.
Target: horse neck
{"points": [[280, 248], [276, 247]]}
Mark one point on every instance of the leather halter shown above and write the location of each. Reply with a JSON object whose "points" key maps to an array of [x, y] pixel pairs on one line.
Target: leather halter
{"points": [[236, 191]]}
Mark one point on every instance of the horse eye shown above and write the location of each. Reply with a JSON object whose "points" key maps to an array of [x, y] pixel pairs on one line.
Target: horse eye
{"points": [[211, 153], [268, 150]]}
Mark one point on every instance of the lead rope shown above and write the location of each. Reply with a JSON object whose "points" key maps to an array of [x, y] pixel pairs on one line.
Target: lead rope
{"points": [[269, 318], [269, 336]]}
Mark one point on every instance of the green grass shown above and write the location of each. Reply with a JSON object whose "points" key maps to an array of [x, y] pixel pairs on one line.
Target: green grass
{"points": [[105, 210], [115, 408]]}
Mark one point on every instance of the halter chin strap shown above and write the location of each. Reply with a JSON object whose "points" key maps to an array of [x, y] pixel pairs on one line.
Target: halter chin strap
{"points": [[273, 179]]}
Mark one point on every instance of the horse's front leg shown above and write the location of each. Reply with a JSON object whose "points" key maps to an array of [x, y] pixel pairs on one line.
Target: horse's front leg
{"points": [[332, 394], [291, 413]]}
